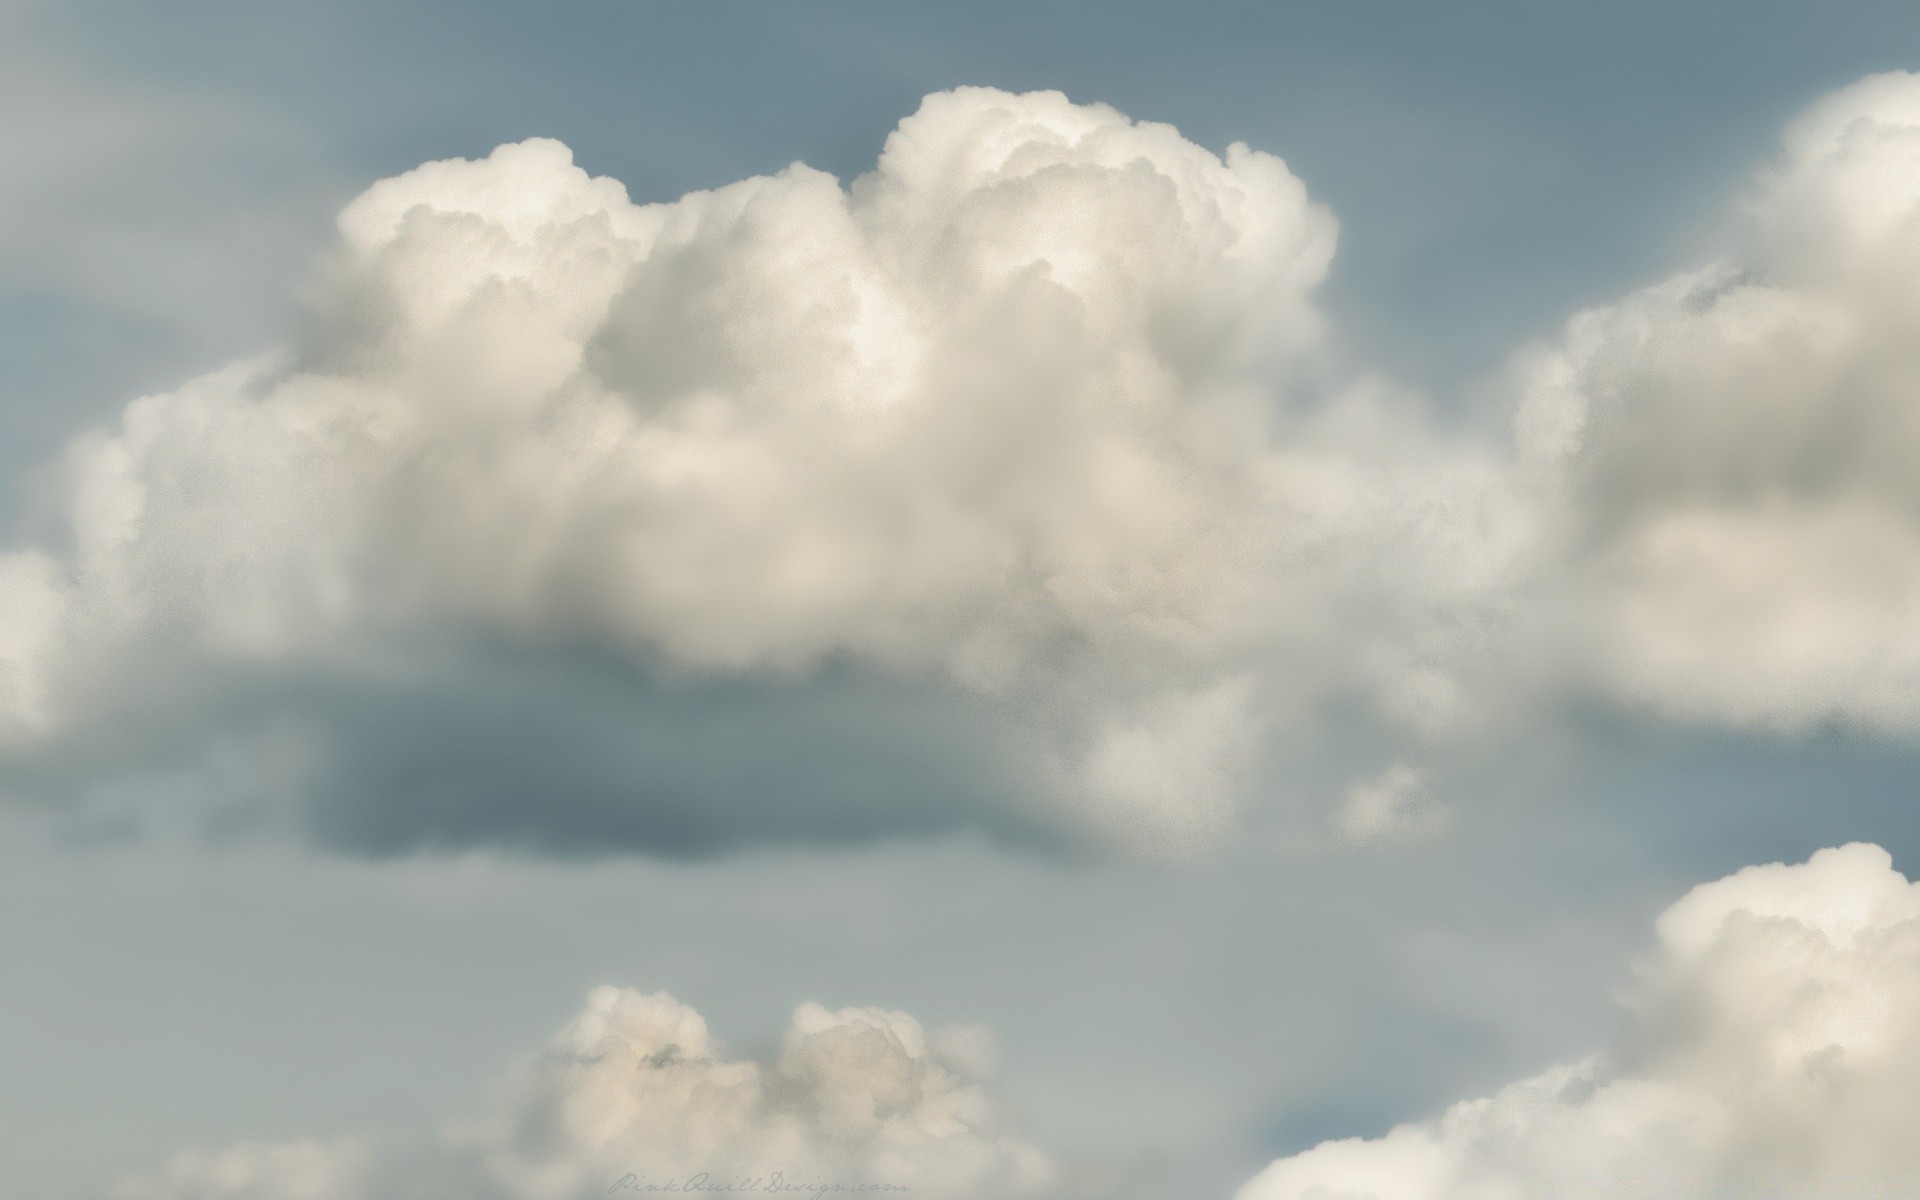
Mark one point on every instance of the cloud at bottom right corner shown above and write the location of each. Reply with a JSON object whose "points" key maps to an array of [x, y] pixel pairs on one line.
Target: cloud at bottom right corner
{"points": [[1771, 1052]]}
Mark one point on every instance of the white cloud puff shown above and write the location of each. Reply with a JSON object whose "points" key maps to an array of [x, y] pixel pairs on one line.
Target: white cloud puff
{"points": [[1733, 452], [1011, 487], [633, 1095], [1034, 414], [1394, 806], [1773, 1055], [997, 395]]}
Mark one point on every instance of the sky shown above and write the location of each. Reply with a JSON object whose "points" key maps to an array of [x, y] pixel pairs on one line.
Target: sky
{"points": [[1201, 581]]}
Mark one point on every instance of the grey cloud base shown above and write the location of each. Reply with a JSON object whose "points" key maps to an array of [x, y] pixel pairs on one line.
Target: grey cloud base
{"points": [[549, 752]]}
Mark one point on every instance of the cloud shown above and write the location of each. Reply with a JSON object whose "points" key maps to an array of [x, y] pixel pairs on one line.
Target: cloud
{"points": [[1016, 487], [1731, 453], [1771, 1054], [1768, 1054], [1393, 807], [635, 1092], [577, 524]]}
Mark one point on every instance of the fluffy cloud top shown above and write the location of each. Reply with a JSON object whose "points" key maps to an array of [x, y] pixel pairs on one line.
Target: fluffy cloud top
{"points": [[1773, 1056], [1734, 451], [634, 1092], [1011, 487], [1030, 424]]}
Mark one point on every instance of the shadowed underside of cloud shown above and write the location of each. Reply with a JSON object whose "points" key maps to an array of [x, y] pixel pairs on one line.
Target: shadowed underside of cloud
{"points": [[561, 752], [1773, 1056], [634, 1095], [1011, 488]]}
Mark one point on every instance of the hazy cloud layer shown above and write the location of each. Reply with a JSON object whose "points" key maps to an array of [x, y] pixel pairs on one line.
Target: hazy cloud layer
{"points": [[1772, 1054], [635, 1089]]}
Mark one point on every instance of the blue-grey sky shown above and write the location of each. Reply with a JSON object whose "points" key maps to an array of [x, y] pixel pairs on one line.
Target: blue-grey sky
{"points": [[169, 177]]}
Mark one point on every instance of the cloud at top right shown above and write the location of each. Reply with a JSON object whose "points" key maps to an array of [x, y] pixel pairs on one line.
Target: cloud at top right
{"points": [[1729, 460]]}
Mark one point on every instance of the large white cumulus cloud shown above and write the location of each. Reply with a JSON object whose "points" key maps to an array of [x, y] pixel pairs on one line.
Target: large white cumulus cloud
{"points": [[1773, 1055], [1734, 452], [1015, 486], [634, 1094], [1033, 417]]}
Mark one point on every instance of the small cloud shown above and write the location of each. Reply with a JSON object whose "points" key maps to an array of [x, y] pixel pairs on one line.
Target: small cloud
{"points": [[634, 1094], [1392, 807]]}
